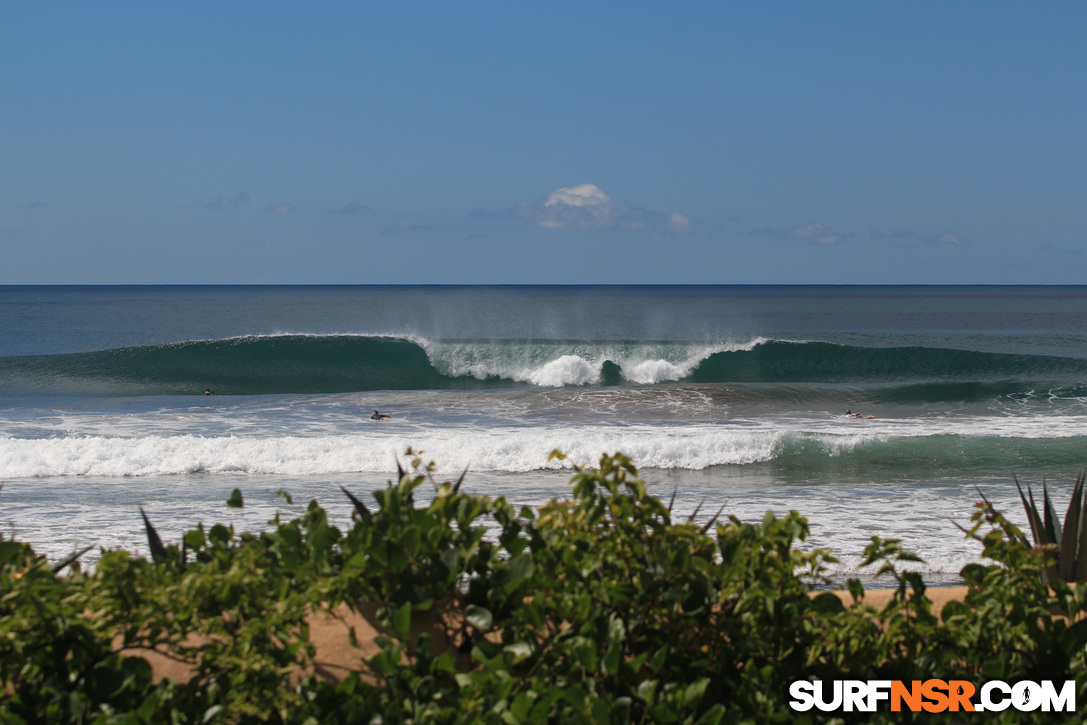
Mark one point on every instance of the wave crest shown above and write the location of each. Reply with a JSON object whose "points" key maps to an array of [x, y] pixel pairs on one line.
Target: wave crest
{"points": [[348, 363]]}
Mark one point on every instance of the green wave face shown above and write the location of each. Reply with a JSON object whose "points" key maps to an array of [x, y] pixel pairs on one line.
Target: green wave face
{"points": [[821, 362], [350, 363], [241, 366]]}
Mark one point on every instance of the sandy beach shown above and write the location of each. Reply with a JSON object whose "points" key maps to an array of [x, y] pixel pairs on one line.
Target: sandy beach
{"points": [[335, 657]]}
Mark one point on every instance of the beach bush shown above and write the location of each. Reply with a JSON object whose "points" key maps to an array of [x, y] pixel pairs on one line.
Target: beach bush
{"points": [[1067, 547], [600, 608]]}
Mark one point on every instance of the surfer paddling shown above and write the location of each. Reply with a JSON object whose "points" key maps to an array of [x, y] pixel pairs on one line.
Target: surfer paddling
{"points": [[851, 414], [379, 416]]}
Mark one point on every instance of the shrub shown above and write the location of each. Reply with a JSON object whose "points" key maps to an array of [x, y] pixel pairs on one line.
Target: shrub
{"points": [[598, 608]]}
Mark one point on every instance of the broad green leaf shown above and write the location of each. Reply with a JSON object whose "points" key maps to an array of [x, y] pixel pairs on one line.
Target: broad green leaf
{"points": [[402, 622], [478, 617]]}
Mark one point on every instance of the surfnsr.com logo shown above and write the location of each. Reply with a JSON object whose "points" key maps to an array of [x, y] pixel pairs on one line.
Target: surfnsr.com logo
{"points": [[932, 696]]}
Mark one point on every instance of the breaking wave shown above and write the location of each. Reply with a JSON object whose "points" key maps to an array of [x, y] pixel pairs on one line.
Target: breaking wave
{"points": [[258, 365]]}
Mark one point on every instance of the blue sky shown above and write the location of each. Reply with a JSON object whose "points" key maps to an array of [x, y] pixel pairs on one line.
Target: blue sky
{"points": [[499, 142]]}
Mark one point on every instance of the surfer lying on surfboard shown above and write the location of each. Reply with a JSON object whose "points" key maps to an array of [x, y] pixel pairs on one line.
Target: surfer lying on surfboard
{"points": [[379, 416], [851, 414]]}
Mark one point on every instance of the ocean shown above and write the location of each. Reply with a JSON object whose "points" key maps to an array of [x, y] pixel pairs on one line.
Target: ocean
{"points": [[722, 395]]}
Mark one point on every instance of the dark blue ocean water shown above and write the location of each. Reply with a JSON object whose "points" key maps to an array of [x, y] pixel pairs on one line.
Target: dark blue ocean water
{"points": [[734, 394]]}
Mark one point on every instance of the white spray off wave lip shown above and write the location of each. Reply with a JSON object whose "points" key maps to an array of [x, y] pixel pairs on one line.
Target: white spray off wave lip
{"points": [[555, 363]]}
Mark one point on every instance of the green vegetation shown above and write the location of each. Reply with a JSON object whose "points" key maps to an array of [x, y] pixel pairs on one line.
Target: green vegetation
{"points": [[1068, 548], [599, 608]]}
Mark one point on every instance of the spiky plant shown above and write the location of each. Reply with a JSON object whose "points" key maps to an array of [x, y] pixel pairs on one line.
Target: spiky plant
{"points": [[1070, 558]]}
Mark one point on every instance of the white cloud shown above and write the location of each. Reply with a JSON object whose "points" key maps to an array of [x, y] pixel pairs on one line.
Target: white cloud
{"points": [[816, 233], [679, 222], [582, 195], [586, 206]]}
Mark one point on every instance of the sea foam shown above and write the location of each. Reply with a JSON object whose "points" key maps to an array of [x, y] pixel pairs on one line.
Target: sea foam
{"points": [[511, 450], [567, 370]]}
